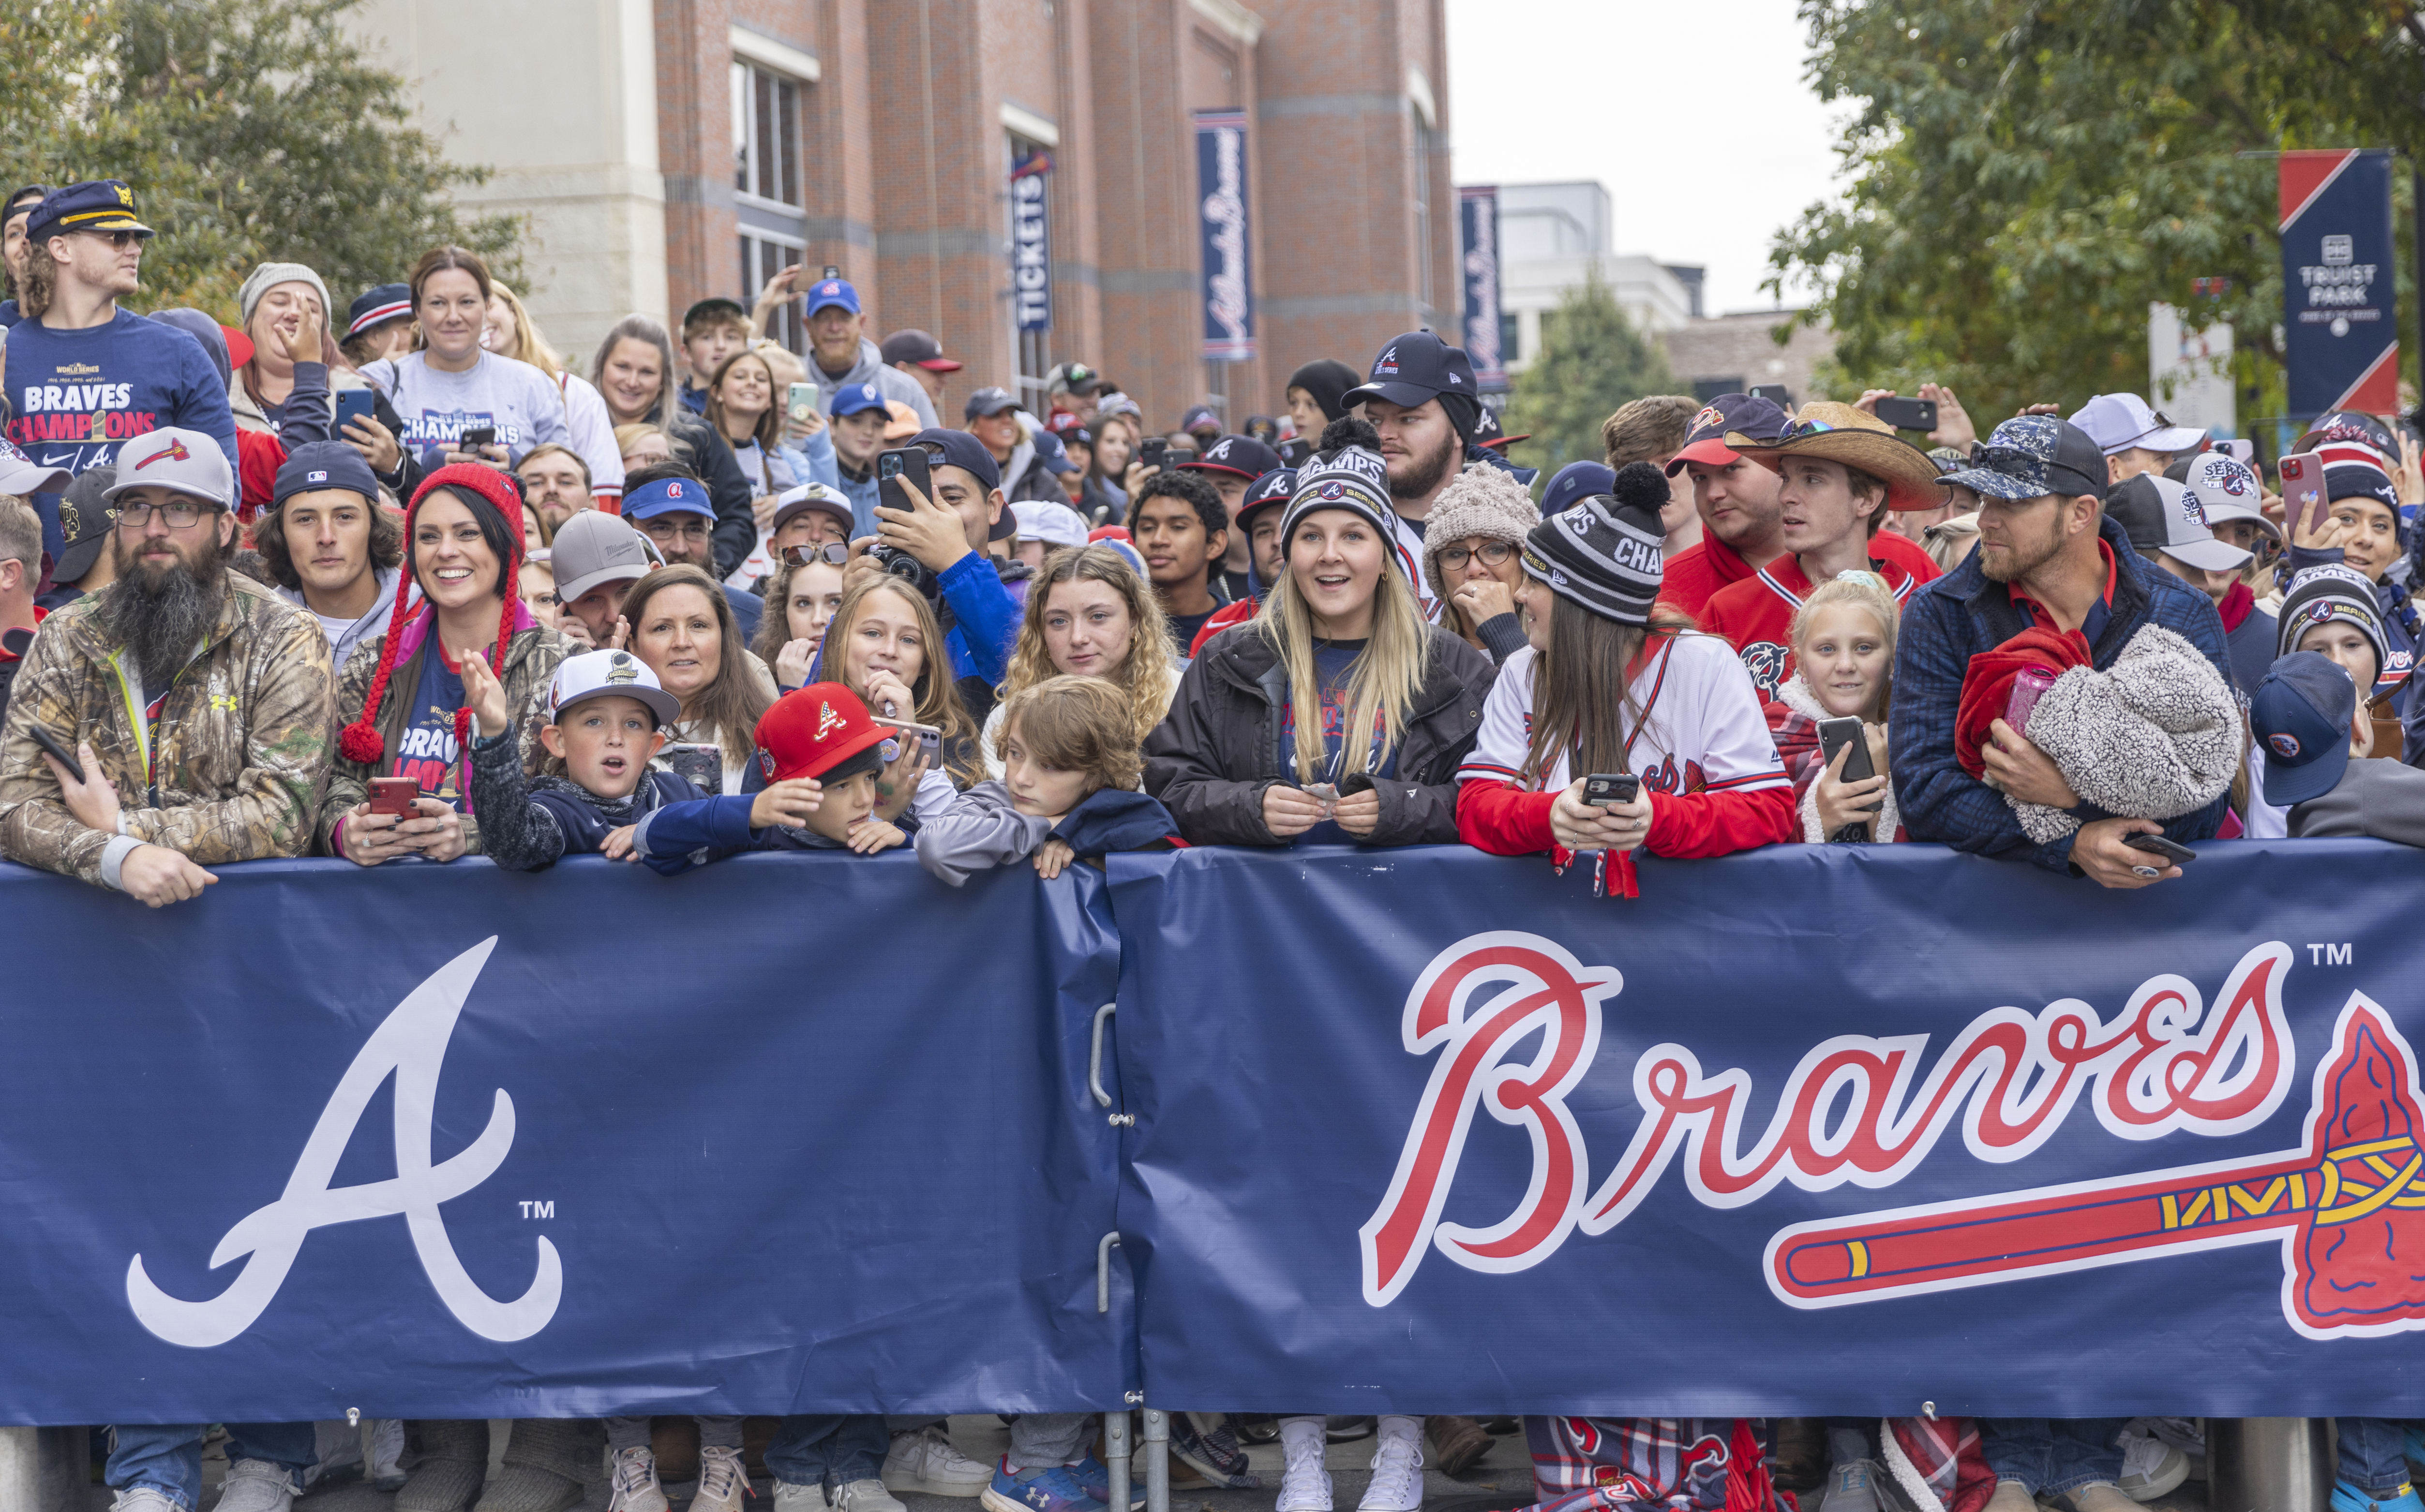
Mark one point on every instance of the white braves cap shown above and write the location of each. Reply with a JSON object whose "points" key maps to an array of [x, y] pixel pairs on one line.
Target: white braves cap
{"points": [[1041, 520], [2227, 489], [608, 674], [2118, 421], [21, 475], [2186, 537], [173, 457]]}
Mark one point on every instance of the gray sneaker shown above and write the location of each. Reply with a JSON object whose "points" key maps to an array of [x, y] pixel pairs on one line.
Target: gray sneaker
{"points": [[256, 1485], [866, 1496], [1853, 1486], [142, 1499]]}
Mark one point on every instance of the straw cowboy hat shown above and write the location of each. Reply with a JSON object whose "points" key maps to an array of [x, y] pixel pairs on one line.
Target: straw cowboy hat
{"points": [[1840, 433]]}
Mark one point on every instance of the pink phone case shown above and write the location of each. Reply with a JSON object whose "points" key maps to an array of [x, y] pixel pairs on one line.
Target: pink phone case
{"points": [[2029, 685], [2302, 493]]}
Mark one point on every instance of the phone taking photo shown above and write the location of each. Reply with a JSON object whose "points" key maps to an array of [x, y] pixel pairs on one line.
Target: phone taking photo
{"points": [[352, 404], [2302, 493], [1839, 734], [1908, 414], [1155, 453], [903, 464], [475, 437], [800, 403]]}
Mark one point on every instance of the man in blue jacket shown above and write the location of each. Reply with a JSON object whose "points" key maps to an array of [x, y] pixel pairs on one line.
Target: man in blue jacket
{"points": [[2046, 556], [948, 533]]}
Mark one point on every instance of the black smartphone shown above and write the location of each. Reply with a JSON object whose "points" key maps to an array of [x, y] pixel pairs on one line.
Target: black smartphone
{"points": [[1908, 414], [903, 464], [51, 743], [476, 438], [1836, 734], [1294, 451], [2170, 851], [352, 404], [1606, 788], [1774, 393], [1155, 453], [1179, 456]]}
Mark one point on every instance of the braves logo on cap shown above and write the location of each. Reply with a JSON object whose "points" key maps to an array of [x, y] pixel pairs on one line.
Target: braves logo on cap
{"points": [[1708, 419], [1386, 362], [174, 452], [828, 721], [2193, 511], [673, 488], [2229, 476], [828, 288], [1217, 453], [2319, 614], [1331, 492]]}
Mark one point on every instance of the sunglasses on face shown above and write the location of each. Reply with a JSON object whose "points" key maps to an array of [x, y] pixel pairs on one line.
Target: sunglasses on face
{"points": [[1493, 554], [832, 553], [117, 239]]}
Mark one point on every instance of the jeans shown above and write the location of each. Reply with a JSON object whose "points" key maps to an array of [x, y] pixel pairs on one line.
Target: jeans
{"points": [[2372, 1456], [1039, 1440], [827, 1449], [168, 1458], [632, 1433], [2052, 1454]]}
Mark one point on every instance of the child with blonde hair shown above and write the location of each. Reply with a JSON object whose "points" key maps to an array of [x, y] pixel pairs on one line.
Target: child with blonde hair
{"points": [[1843, 638]]}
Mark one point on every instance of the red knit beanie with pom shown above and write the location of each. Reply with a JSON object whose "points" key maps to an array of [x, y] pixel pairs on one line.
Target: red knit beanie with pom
{"points": [[361, 741]]}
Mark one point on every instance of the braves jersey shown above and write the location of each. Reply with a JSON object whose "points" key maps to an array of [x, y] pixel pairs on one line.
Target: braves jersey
{"points": [[1700, 744], [1406, 548], [1756, 615]]}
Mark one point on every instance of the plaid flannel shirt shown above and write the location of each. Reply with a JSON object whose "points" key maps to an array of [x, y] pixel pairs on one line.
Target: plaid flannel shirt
{"points": [[1647, 1465], [1944, 625]]}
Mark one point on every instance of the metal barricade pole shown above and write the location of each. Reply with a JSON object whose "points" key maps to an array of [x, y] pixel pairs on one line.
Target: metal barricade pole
{"points": [[1157, 1460], [1115, 1457], [42, 1470], [21, 1467]]}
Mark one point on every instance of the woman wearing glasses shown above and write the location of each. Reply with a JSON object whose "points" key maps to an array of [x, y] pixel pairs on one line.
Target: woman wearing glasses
{"points": [[1470, 545]]}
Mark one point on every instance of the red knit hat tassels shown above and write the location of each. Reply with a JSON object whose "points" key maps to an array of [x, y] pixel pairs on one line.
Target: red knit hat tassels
{"points": [[361, 741]]}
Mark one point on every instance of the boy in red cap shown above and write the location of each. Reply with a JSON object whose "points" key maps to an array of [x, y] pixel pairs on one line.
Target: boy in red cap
{"points": [[820, 734]]}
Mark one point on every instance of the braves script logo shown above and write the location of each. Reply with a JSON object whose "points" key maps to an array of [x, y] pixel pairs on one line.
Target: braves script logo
{"points": [[410, 1044], [1868, 1109]]}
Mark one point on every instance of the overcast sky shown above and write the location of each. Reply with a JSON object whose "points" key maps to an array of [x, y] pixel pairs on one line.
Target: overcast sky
{"points": [[1694, 116]]}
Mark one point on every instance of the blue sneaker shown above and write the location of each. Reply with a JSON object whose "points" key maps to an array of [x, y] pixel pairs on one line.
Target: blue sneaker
{"points": [[1037, 1490], [1095, 1478], [2348, 1498]]}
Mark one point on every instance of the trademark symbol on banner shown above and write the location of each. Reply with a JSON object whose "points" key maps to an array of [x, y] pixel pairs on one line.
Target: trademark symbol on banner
{"points": [[539, 1210], [2328, 955]]}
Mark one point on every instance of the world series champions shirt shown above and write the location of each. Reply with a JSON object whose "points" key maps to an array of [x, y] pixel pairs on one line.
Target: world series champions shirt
{"points": [[515, 399], [76, 396]]}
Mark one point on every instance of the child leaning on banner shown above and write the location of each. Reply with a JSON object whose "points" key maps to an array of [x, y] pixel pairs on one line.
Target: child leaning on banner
{"points": [[819, 748], [1069, 760]]}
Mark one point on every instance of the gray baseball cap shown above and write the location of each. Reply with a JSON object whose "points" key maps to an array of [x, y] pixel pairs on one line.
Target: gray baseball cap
{"points": [[174, 457], [593, 548]]}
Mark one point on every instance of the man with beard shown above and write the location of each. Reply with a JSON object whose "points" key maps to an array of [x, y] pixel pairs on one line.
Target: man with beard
{"points": [[2049, 559], [201, 706], [1420, 397], [669, 505]]}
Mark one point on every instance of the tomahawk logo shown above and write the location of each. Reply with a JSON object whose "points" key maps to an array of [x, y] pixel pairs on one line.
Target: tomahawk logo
{"points": [[410, 1044]]}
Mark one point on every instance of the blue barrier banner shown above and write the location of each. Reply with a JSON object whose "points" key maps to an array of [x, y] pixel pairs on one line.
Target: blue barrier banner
{"points": [[2341, 334], [1817, 1129], [787, 1133]]}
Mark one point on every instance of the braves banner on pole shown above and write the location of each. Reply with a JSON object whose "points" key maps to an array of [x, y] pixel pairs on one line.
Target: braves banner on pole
{"points": [[1031, 241], [1221, 203], [2343, 340], [1816, 1129], [788, 1134], [1478, 231]]}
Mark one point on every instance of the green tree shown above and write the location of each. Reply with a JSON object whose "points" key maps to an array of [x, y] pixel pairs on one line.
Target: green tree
{"points": [[2027, 176], [1591, 360], [251, 131]]}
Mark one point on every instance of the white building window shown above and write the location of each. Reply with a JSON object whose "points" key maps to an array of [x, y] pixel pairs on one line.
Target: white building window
{"points": [[766, 135], [764, 254]]}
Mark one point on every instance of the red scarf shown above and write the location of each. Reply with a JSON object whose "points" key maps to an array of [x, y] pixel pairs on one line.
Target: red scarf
{"points": [[1987, 685]]}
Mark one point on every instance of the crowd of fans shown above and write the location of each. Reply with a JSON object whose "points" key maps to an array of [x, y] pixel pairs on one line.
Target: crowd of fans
{"points": [[407, 590]]}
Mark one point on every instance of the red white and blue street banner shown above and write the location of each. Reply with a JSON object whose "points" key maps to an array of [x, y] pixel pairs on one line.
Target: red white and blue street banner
{"points": [[1224, 241], [2338, 316], [1822, 1129], [1477, 208]]}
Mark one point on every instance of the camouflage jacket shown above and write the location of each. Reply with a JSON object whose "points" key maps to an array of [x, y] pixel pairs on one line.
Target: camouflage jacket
{"points": [[531, 656], [236, 762]]}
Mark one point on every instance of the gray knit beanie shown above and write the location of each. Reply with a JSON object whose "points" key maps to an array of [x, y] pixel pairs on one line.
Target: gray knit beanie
{"points": [[1481, 501], [270, 276]]}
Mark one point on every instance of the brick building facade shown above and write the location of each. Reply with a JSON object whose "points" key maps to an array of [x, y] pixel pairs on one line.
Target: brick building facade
{"points": [[879, 136]]}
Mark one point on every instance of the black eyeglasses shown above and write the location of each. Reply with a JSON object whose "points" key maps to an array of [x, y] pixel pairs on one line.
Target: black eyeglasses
{"points": [[1493, 554], [832, 553], [179, 514]]}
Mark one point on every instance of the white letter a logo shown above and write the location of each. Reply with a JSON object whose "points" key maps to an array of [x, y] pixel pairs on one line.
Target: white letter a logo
{"points": [[411, 1044]]}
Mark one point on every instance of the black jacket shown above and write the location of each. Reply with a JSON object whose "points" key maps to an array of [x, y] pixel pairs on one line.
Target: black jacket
{"points": [[1212, 756]]}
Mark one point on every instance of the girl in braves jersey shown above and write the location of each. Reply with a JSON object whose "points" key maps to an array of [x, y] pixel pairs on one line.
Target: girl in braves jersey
{"points": [[1688, 724], [1842, 474]]}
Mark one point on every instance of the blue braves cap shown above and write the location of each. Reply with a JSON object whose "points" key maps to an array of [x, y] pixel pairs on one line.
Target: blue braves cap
{"points": [[1413, 369], [323, 465], [2301, 715], [832, 291], [1573, 484], [851, 398], [95, 205], [1273, 487], [2030, 457], [959, 449], [388, 301], [1055, 457], [668, 496]]}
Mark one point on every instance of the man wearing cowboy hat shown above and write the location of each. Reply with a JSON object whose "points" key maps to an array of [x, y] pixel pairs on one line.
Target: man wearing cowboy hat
{"points": [[1842, 471]]}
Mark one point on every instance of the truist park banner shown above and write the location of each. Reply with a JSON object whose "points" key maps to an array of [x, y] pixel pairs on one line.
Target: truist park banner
{"points": [[1223, 236], [2337, 283], [1031, 241], [1477, 208], [1820, 1129]]}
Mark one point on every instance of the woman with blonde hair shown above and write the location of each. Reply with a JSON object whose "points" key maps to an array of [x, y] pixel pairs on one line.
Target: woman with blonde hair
{"points": [[1090, 614], [885, 644], [1336, 714], [511, 332], [1843, 638]]}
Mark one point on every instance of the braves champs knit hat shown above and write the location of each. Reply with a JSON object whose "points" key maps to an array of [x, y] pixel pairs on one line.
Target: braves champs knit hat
{"points": [[2321, 595], [1605, 553], [1349, 478]]}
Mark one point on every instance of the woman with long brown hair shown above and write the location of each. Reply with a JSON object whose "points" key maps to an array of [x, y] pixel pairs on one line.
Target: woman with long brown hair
{"points": [[452, 379], [746, 406], [1090, 614], [885, 644], [633, 371], [683, 628], [1607, 686]]}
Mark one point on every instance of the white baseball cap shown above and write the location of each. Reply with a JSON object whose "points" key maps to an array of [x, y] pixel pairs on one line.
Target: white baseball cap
{"points": [[608, 674], [1041, 520], [2229, 489], [2118, 421], [21, 475], [2188, 538], [172, 458]]}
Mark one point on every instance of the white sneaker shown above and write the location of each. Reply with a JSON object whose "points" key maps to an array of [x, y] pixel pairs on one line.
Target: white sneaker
{"points": [[793, 1497], [256, 1485], [2150, 1467], [924, 1460], [1397, 1468], [142, 1499], [635, 1482], [870, 1496], [723, 1480], [1304, 1487]]}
